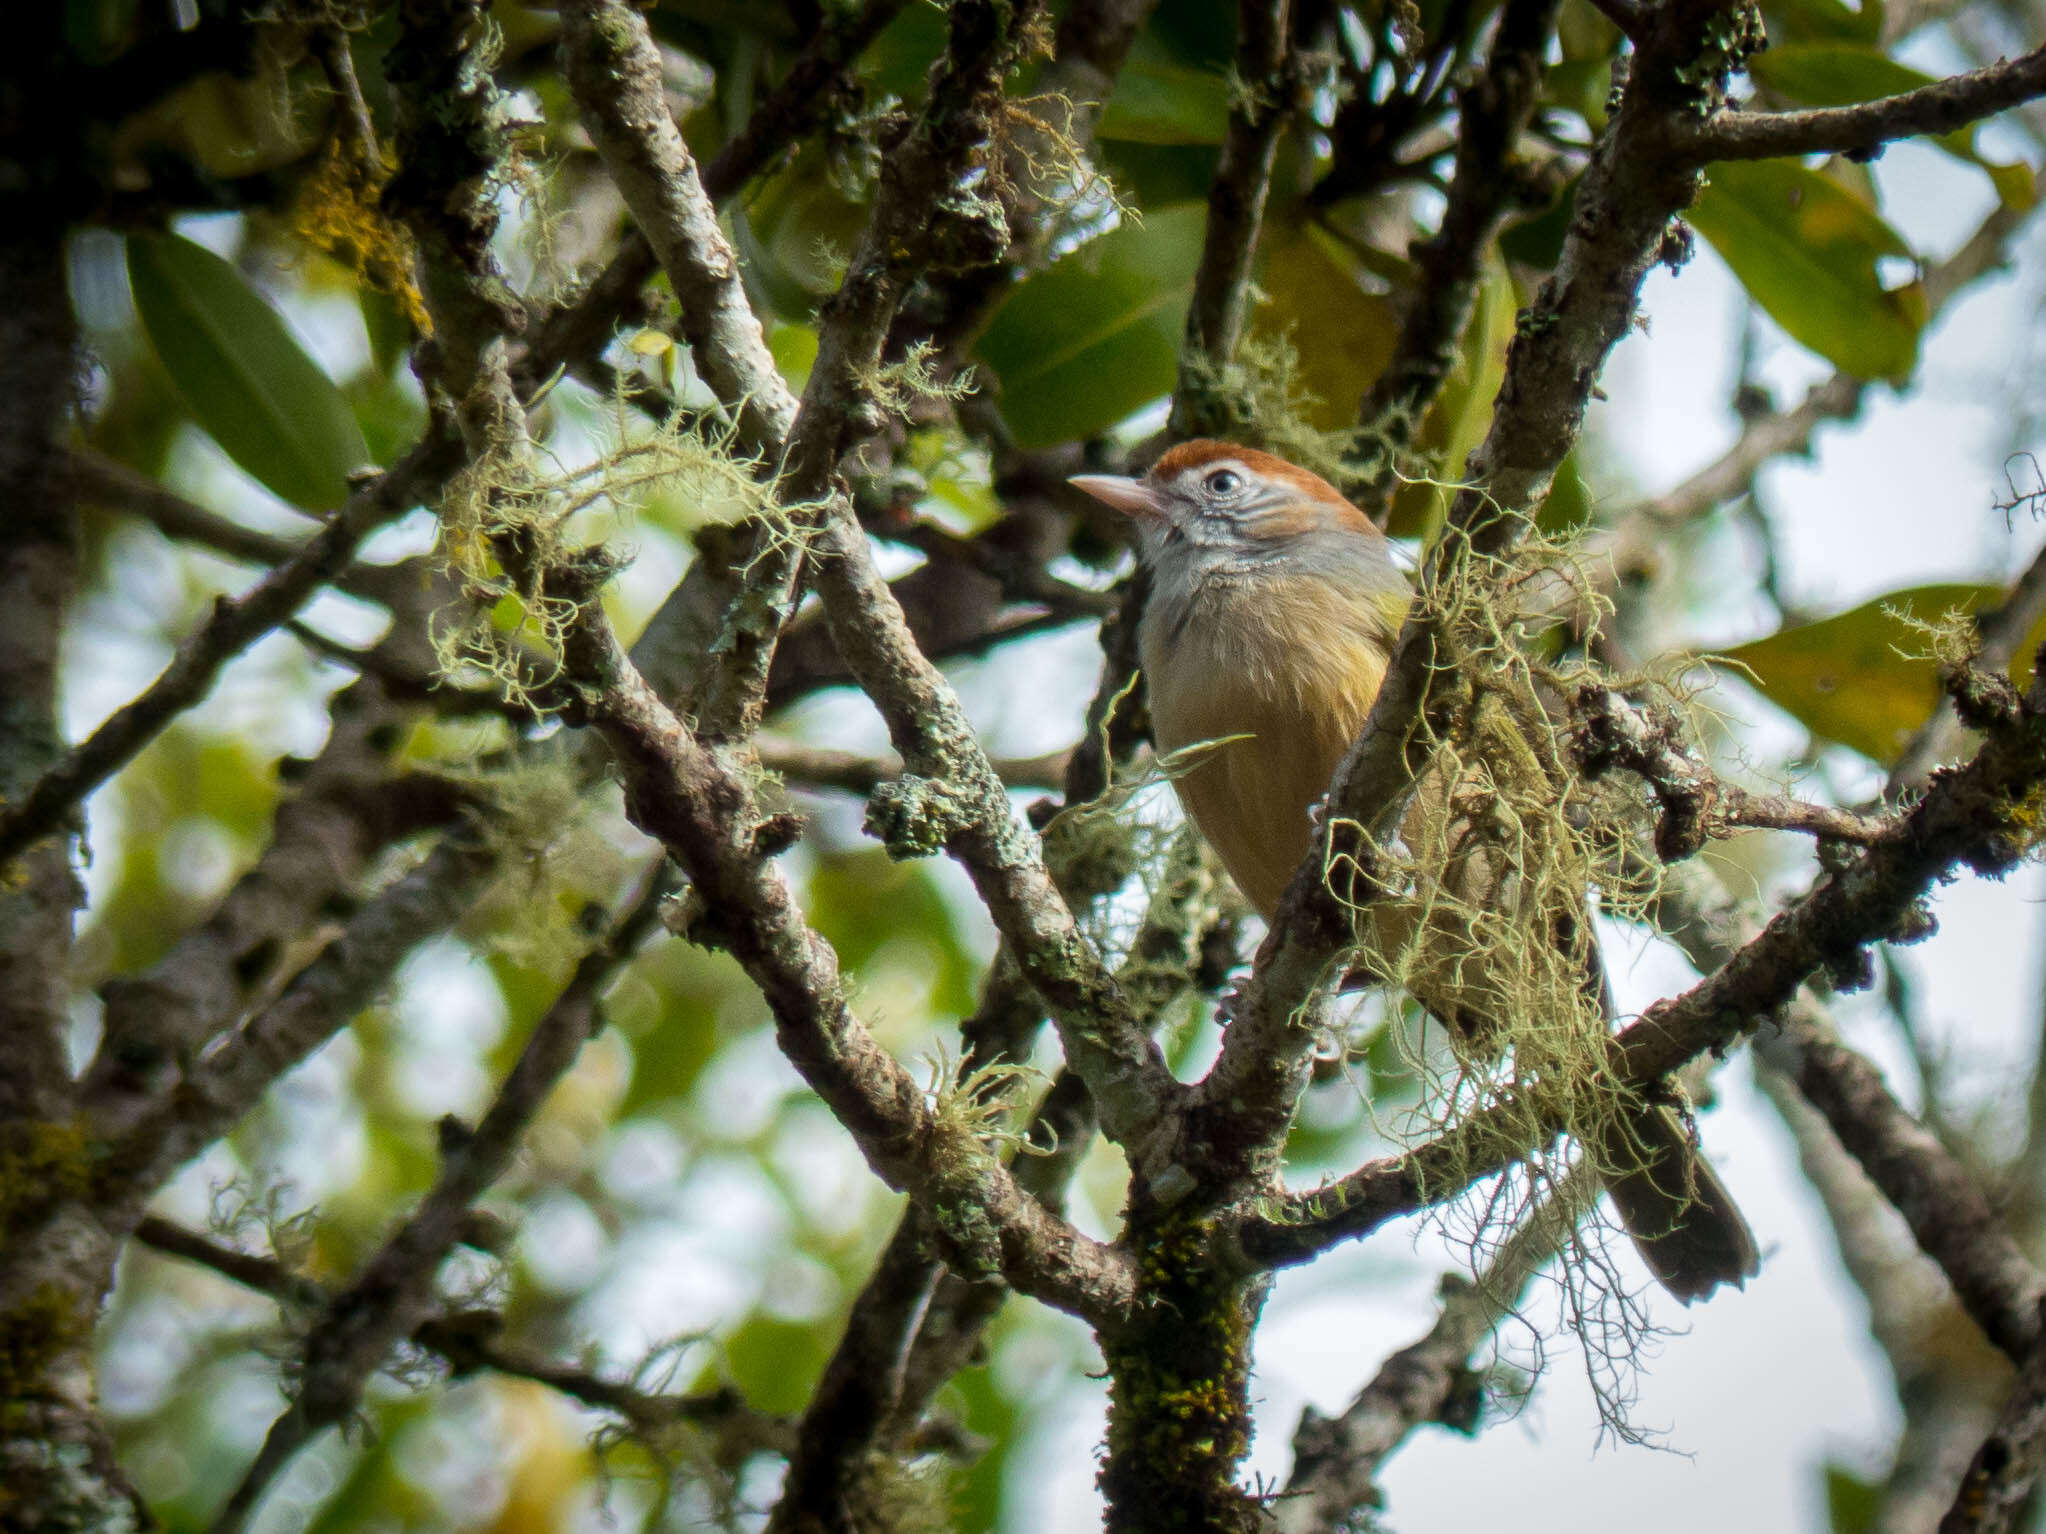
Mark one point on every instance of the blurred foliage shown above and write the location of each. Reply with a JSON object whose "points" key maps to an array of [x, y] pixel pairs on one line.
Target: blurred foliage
{"points": [[682, 1204]]}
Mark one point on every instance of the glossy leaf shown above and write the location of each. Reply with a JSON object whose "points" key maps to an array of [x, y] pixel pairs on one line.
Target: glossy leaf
{"points": [[1824, 21], [1316, 300], [1861, 677], [243, 374], [1537, 240], [1807, 249], [1096, 337], [1568, 506], [1156, 175]]}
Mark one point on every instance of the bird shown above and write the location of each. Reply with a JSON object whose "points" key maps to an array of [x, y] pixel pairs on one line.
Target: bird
{"points": [[1273, 608]]}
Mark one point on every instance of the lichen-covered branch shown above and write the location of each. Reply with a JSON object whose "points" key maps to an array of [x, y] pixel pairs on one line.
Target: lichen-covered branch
{"points": [[796, 105], [1863, 129], [915, 1325], [615, 72], [2000, 635], [1696, 803], [952, 798], [1977, 817]]}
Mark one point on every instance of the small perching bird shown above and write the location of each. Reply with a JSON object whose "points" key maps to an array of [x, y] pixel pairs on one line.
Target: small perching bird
{"points": [[1273, 610]]}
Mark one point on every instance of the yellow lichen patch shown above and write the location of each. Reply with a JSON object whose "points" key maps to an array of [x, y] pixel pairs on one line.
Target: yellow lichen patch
{"points": [[41, 1163], [339, 212]]}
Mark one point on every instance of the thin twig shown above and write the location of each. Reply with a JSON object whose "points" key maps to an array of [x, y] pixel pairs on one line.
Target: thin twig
{"points": [[393, 1293], [234, 625], [1493, 111], [472, 1340], [1265, 96], [1336, 1460]]}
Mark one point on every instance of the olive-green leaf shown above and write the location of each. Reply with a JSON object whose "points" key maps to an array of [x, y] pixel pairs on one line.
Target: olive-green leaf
{"points": [[1160, 99], [1096, 337], [1806, 250], [1795, 21], [242, 374], [1863, 677]]}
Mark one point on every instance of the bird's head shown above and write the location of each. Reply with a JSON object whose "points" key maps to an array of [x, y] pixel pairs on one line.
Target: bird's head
{"points": [[1213, 503]]}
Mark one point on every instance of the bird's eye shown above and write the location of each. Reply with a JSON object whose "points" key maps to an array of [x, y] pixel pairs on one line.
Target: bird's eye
{"points": [[1223, 482]]}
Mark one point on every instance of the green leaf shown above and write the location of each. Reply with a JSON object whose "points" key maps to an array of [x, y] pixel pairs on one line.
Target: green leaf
{"points": [[1831, 74], [242, 374], [1853, 1505], [1824, 20], [1317, 301], [1537, 240], [1160, 100], [1463, 410], [1156, 175], [1862, 677], [1568, 506], [1096, 337], [1806, 250], [1580, 86]]}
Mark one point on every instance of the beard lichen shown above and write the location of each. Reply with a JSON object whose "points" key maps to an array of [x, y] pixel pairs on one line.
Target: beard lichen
{"points": [[1486, 918], [514, 538]]}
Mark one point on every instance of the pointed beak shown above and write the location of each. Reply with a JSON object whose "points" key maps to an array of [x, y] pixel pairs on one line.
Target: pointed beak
{"points": [[1131, 497]]}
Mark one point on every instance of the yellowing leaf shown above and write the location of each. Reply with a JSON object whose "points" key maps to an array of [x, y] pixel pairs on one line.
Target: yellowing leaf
{"points": [[1863, 677], [1463, 410], [1315, 300]]}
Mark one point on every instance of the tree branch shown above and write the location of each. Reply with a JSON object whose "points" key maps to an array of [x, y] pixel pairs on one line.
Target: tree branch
{"points": [[1696, 803], [2000, 635], [1972, 817], [1996, 1493], [1862, 130], [792, 110], [470, 1341], [1336, 1460], [1265, 91], [233, 627], [392, 1294], [1493, 110]]}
